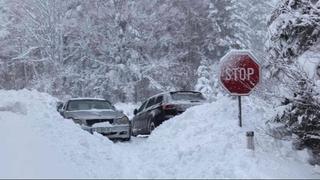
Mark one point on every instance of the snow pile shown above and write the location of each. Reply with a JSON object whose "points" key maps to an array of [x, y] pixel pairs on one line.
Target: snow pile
{"points": [[36, 142], [203, 142], [206, 142], [127, 108]]}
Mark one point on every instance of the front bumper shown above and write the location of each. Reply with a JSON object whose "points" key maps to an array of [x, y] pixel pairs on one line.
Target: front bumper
{"points": [[114, 132]]}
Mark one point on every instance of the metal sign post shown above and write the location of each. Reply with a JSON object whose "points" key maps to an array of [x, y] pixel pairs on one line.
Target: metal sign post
{"points": [[240, 115]]}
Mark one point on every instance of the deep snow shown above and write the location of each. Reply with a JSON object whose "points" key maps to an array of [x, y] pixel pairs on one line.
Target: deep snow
{"points": [[127, 108], [203, 142]]}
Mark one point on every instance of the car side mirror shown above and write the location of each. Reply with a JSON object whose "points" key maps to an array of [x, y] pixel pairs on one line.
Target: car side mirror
{"points": [[135, 111], [59, 106], [61, 112]]}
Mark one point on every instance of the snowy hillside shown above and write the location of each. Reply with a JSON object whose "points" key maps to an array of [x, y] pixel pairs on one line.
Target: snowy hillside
{"points": [[205, 141]]}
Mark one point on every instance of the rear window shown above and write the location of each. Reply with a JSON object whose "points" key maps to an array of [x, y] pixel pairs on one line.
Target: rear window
{"points": [[187, 96]]}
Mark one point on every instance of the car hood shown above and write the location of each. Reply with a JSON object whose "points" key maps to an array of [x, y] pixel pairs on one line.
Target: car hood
{"points": [[94, 114]]}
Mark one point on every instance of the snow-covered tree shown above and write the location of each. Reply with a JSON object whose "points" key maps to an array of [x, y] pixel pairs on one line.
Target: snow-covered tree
{"points": [[294, 28], [204, 83], [253, 16], [229, 30], [119, 49]]}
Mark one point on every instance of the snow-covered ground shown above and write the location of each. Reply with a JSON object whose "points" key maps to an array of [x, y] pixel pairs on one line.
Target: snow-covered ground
{"points": [[127, 108], [203, 142]]}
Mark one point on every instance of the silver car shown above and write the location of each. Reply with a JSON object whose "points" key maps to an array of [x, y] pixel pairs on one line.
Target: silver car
{"points": [[97, 115]]}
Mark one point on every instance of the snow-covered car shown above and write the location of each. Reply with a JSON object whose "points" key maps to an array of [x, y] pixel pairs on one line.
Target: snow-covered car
{"points": [[162, 107], [97, 115]]}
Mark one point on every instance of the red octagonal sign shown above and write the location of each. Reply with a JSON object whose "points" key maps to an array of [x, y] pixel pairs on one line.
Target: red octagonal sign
{"points": [[239, 72]]}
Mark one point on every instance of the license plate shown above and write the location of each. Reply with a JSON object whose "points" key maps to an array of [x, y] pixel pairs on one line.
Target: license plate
{"points": [[102, 129]]}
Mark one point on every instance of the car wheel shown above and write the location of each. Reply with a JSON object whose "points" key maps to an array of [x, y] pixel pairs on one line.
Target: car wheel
{"points": [[131, 131], [134, 135], [127, 139], [151, 126]]}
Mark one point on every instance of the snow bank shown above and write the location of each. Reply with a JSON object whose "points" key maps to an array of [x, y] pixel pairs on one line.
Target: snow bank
{"points": [[36, 142], [127, 108], [204, 142]]}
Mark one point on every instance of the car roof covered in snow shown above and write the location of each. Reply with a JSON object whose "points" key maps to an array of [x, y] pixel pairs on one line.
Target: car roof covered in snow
{"points": [[87, 98], [172, 92]]}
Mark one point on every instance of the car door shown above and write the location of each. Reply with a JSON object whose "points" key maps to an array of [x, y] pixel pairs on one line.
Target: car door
{"points": [[157, 110], [137, 121], [148, 112], [63, 109]]}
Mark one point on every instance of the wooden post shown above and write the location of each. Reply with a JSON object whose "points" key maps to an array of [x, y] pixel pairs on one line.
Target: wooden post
{"points": [[240, 113]]}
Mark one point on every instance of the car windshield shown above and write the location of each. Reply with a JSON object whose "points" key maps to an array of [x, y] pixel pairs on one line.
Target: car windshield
{"points": [[187, 96], [76, 105]]}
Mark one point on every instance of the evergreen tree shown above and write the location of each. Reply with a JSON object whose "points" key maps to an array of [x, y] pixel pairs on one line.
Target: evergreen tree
{"points": [[203, 84], [294, 28]]}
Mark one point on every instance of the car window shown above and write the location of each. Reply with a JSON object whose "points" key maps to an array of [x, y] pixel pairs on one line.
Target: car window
{"points": [[142, 106], [159, 99], [151, 102], [76, 105]]}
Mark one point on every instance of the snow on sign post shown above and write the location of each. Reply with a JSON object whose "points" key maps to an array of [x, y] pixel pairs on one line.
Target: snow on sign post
{"points": [[239, 74]]}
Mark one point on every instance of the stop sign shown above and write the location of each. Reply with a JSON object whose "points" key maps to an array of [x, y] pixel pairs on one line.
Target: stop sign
{"points": [[239, 72]]}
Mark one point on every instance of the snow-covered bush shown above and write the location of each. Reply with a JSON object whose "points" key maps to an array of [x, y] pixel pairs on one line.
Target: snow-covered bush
{"points": [[294, 29], [302, 117]]}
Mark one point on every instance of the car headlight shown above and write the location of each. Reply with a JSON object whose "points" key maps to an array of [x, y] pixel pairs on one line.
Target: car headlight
{"points": [[123, 120], [77, 121]]}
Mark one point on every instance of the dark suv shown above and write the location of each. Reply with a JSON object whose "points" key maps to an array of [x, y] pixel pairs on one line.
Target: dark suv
{"points": [[162, 107]]}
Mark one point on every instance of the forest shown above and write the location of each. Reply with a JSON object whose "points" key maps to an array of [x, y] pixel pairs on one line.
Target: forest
{"points": [[126, 51]]}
